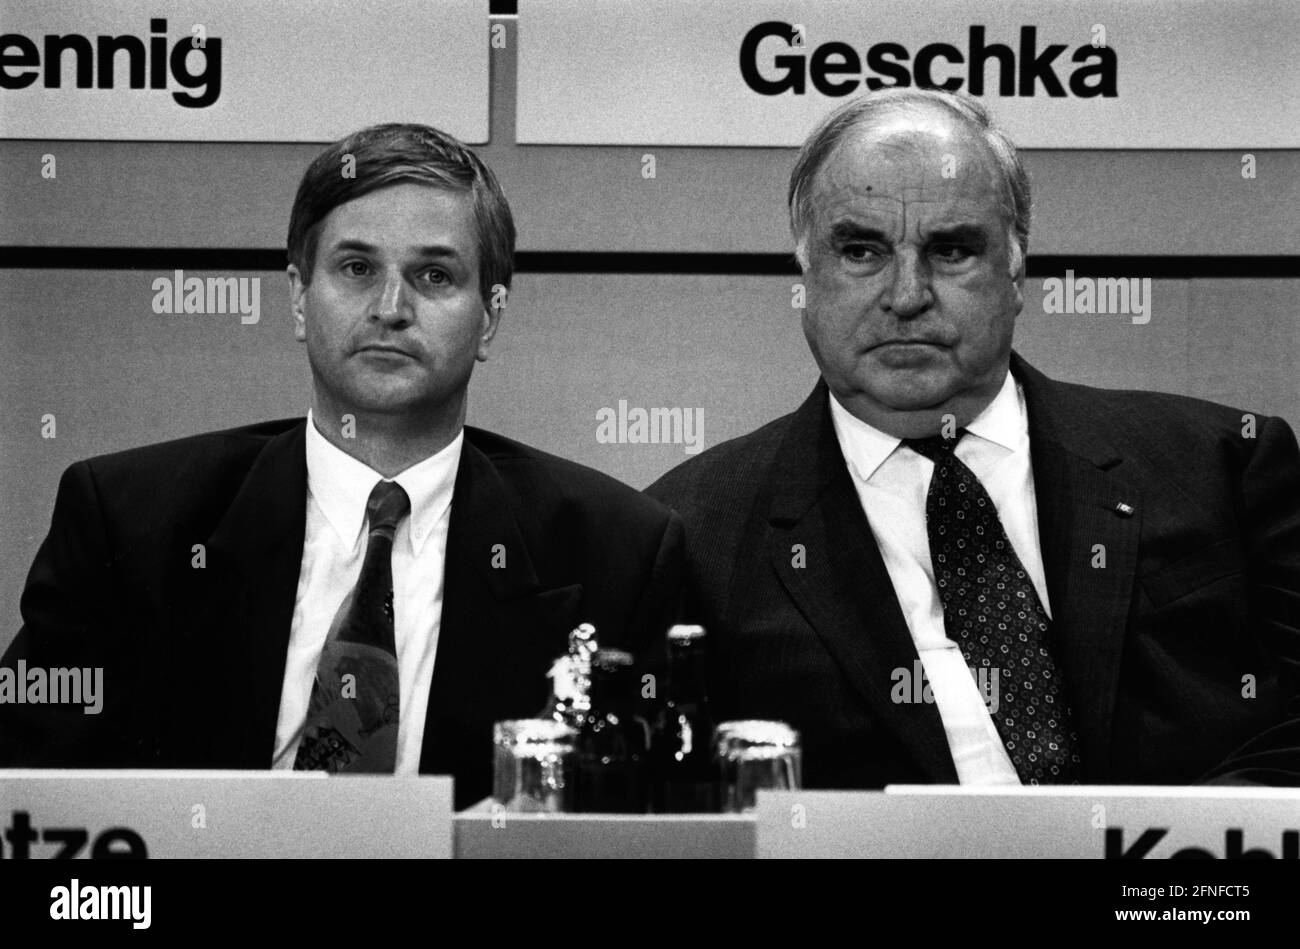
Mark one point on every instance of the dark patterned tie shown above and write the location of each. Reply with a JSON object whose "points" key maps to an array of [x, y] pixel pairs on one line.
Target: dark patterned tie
{"points": [[991, 610], [351, 723]]}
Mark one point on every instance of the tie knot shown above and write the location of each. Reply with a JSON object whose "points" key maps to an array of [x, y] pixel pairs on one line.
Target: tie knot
{"points": [[935, 445], [387, 505]]}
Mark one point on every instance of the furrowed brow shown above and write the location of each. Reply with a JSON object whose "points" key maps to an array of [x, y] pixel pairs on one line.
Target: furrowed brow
{"points": [[969, 234], [843, 231]]}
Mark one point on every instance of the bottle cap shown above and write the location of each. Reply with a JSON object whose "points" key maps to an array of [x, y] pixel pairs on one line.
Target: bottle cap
{"points": [[685, 633], [611, 660]]}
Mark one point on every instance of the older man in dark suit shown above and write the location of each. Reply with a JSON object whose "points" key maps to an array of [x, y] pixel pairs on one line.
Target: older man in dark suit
{"points": [[946, 567], [368, 589]]}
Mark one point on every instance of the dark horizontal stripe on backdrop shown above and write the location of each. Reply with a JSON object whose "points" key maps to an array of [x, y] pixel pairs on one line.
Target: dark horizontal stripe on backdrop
{"points": [[618, 262]]}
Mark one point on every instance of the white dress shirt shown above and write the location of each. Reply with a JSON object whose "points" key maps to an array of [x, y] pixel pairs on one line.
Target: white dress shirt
{"points": [[892, 483], [338, 487]]}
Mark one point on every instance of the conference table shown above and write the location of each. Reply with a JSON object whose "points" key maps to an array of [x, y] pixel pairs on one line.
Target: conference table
{"points": [[233, 814]]}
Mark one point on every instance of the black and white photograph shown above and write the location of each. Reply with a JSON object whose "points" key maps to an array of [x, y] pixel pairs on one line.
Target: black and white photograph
{"points": [[650, 429]]}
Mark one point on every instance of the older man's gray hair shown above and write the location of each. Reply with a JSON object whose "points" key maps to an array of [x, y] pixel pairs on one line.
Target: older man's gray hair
{"points": [[864, 111]]}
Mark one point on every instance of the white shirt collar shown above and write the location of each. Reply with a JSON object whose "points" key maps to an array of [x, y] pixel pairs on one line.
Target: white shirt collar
{"points": [[1004, 422], [341, 485]]}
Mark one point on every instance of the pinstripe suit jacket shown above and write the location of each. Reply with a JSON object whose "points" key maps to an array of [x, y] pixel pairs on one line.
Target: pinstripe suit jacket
{"points": [[1181, 656]]}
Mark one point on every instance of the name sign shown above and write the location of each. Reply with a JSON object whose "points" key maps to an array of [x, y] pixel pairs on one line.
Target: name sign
{"points": [[241, 70], [1105, 74], [1112, 823], [142, 814]]}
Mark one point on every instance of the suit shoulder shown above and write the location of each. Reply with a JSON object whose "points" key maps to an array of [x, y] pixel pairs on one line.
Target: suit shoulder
{"points": [[1147, 404], [1176, 438], [729, 465], [199, 467], [1142, 416], [540, 479]]}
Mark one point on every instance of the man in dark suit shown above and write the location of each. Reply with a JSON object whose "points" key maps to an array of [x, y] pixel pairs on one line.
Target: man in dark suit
{"points": [[946, 567], [224, 583]]}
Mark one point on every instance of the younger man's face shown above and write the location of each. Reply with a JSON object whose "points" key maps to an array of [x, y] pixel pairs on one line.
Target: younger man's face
{"points": [[392, 315]]}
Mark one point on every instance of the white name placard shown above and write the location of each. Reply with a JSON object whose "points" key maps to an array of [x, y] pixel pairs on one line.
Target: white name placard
{"points": [[1095, 822], [223, 814], [241, 70], [1104, 74]]}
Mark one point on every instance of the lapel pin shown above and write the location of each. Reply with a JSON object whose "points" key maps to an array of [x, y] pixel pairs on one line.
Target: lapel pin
{"points": [[1124, 510]]}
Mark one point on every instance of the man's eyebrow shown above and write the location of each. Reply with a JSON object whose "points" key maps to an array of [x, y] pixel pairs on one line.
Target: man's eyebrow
{"points": [[429, 250], [852, 230], [958, 233]]}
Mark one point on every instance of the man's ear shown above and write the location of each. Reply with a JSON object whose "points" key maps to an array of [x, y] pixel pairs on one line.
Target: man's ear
{"points": [[1017, 275], [492, 314], [297, 301]]}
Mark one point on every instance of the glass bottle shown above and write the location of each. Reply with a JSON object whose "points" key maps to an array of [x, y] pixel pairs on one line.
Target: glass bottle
{"points": [[686, 777], [611, 745]]}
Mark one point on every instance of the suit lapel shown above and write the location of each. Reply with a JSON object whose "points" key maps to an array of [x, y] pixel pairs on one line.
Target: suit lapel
{"points": [[499, 627], [843, 588], [254, 557], [1079, 482]]}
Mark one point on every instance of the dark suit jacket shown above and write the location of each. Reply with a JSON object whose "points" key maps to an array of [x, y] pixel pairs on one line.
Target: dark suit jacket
{"points": [[194, 658], [1200, 590]]}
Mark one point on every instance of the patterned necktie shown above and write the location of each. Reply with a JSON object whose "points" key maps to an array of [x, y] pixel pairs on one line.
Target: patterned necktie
{"points": [[991, 610], [351, 723]]}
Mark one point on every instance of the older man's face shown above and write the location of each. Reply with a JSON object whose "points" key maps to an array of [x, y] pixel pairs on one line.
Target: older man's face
{"points": [[911, 300]]}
